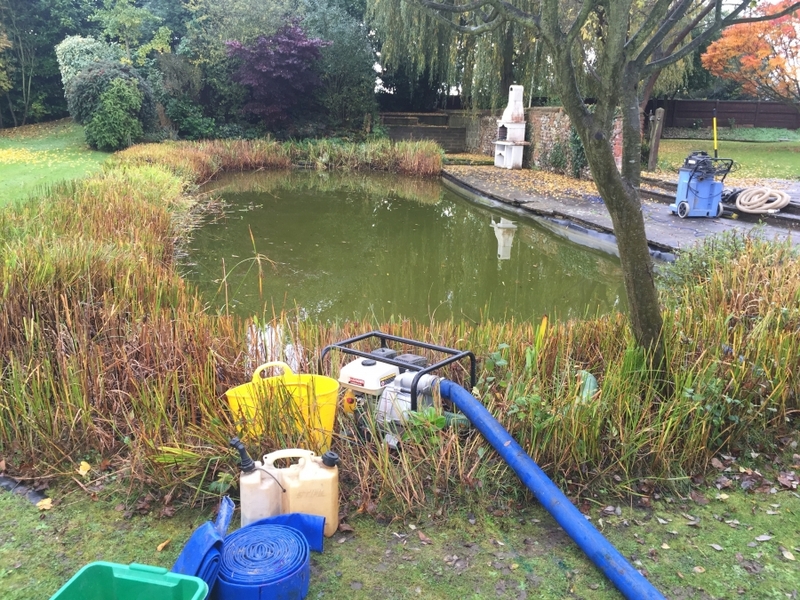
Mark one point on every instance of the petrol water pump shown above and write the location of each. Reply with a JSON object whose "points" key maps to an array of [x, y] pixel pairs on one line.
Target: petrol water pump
{"points": [[383, 389]]}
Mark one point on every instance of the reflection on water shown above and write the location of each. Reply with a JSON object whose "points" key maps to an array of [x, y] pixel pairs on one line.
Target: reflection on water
{"points": [[347, 246], [504, 232]]}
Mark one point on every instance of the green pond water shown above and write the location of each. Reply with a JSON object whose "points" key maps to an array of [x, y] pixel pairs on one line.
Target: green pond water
{"points": [[330, 246]]}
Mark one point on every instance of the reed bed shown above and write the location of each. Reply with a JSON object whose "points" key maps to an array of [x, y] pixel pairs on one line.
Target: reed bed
{"points": [[199, 162], [107, 354]]}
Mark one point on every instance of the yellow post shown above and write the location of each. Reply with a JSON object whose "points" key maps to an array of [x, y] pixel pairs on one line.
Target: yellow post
{"points": [[714, 121]]}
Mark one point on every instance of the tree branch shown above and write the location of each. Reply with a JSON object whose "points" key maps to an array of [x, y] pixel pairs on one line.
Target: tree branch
{"points": [[512, 13], [658, 11], [454, 8], [778, 15], [719, 23], [434, 10], [580, 20], [667, 25]]}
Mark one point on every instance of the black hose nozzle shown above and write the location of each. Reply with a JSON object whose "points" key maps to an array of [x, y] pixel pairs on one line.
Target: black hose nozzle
{"points": [[248, 466]]}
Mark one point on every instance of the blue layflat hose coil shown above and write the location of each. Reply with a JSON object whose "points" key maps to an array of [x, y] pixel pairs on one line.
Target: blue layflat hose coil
{"points": [[606, 557], [264, 562], [200, 556]]}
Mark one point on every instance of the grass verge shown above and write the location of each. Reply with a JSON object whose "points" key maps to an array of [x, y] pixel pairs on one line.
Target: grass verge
{"points": [[734, 134], [721, 542], [35, 156], [762, 160]]}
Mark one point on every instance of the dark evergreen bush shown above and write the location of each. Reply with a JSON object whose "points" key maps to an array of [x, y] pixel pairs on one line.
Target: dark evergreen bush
{"points": [[188, 118], [85, 92], [114, 125]]}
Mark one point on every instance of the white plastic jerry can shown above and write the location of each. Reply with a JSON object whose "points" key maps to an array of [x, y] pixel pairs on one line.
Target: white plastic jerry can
{"points": [[310, 486], [260, 492]]}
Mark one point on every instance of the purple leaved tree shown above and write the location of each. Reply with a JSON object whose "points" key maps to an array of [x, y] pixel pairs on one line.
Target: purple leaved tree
{"points": [[279, 70]]}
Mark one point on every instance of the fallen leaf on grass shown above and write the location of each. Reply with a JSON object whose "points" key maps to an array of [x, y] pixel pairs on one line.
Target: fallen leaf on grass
{"points": [[699, 569], [699, 498], [84, 468], [424, 538], [717, 547], [786, 554], [665, 546], [345, 528], [45, 504], [163, 545], [723, 482], [717, 464], [2, 465], [764, 538], [733, 523]]}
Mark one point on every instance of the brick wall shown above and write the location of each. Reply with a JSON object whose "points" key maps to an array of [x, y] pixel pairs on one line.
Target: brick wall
{"points": [[545, 127], [477, 138], [460, 131]]}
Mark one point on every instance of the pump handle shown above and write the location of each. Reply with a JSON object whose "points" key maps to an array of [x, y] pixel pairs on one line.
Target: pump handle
{"points": [[287, 370], [269, 459]]}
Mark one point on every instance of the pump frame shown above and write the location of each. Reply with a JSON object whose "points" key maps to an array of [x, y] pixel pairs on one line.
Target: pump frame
{"points": [[455, 356]]}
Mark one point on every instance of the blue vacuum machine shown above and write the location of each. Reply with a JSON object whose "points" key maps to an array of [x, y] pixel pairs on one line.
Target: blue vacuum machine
{"points": [[700, 186]]}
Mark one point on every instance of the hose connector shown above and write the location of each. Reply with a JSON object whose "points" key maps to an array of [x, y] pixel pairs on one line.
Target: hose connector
{"points": [[248, 466]]}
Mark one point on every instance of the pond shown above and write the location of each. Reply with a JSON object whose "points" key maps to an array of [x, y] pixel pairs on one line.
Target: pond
{"points": [[348, 246]]}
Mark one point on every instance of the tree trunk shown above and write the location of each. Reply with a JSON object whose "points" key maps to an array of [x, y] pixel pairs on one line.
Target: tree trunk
{"points": [[631, 133], [11, 109], [620, 195], [507, 76], [625, 208]]}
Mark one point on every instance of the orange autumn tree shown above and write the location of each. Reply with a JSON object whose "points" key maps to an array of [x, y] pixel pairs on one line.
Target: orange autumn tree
{"points": [[763, 57]]}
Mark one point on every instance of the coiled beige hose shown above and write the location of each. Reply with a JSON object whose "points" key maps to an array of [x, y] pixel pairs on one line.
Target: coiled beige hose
{"points": [[758, 200]]}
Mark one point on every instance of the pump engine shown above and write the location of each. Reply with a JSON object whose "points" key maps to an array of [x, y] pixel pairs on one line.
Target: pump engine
{"points": [[384, 390]]}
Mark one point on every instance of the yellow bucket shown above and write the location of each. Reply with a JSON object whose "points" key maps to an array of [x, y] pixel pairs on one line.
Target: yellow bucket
{"points": [[314, 398]]}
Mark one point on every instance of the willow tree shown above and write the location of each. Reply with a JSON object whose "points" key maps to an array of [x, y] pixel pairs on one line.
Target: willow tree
{"points": [[627, 42], [480, 66]]}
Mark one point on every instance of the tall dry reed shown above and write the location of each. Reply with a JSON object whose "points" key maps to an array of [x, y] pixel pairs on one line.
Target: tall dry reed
{"points": [[106, 352]]}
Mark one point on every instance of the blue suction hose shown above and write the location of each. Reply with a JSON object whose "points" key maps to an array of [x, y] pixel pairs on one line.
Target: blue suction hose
{"points": [[201, 555], [608, 559]]}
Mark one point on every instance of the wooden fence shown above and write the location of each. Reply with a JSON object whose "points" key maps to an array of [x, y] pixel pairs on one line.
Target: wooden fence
{"points": [[699, 113]]}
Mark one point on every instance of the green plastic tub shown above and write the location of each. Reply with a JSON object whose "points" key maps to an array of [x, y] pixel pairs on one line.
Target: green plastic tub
{"points": [[110, 581]]}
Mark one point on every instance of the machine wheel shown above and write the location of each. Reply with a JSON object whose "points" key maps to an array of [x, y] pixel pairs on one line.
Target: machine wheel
{"points": [[720, 209], [683, 209]]}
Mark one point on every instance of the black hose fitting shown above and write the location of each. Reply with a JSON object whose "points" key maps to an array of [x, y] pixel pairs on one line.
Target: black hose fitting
{"points": [[248, 466]]}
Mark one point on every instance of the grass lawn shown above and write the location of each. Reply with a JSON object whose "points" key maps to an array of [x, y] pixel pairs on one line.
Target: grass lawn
{"points": [[767, 160], [736, 134], [716, 544], [37, 155]]}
